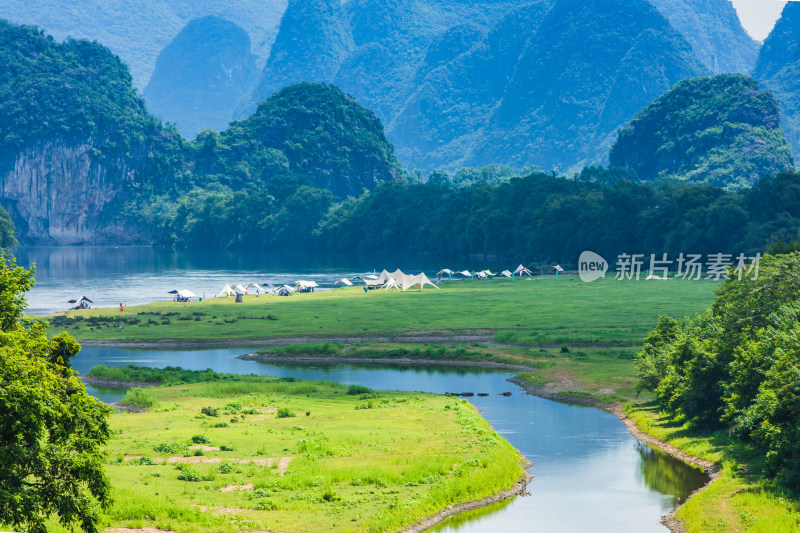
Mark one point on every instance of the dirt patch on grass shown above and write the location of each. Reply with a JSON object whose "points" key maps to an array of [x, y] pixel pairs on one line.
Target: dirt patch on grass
{"points": [[220, 510], [204, 448], [232, 488]]}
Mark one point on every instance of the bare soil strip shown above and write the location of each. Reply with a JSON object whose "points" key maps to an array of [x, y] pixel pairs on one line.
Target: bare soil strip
{"points": [[282, 463]]}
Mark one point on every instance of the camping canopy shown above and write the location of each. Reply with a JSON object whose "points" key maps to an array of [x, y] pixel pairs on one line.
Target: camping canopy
{"points": [[419, 281], [392, 284], [506, 273], [240, 288], [465, 273], [344, 281], [226, 291], [488, 272], [257, 287], [305, 283], [445, 271], [481, 274], [185, 293], [79, 300], [521, 270]]}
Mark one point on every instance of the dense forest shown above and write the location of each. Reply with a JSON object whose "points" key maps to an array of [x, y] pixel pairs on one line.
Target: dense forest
{"points": [[735, 367], [536, 218]]}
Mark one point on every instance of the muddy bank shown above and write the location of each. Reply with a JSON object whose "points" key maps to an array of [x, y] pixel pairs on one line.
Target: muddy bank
{"points": [[518, 489], [381, 361], [710, 468], [283, 341]]}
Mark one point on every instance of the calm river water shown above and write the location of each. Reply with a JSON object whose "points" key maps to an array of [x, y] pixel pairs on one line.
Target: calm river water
{"points": [[590, 474]]}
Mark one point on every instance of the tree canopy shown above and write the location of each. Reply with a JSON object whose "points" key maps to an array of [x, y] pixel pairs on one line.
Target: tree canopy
{"points": [[51, 431]]}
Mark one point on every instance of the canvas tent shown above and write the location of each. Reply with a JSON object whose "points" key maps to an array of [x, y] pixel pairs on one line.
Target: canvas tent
{"points": [[522, 271], [506, 273], [226, 291], [257, 287], [185, 293], [419, 281], [489, 273], [305, 283], [465, 273], [240, 288], [392, 284], [344, 281]]}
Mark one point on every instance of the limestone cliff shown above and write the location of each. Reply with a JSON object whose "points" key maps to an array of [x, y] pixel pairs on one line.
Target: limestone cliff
{"points": [[62, 193]]}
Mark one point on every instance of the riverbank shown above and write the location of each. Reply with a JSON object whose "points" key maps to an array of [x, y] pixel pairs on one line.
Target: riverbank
{"points": [[308, 452]]}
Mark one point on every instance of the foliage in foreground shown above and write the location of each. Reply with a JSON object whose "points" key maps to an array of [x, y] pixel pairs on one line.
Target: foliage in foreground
{"points": [[51, 431], [737, 366]]}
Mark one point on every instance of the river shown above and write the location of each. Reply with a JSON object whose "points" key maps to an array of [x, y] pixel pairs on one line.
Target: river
{"points": [[590, 474]]}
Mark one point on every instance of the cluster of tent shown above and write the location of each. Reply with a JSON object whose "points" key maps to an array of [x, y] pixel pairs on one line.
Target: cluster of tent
{"points": [[483, 274], [266, 288], [391, 280]]}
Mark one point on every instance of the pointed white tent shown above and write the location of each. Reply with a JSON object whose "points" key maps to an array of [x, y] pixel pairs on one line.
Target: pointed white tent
{"points": [[226, 291], [185, 293], [392, 284], [241, 288], [465, 273], [419, 281], [344, 281], [506, 273], [257, 287], [302, 283]]}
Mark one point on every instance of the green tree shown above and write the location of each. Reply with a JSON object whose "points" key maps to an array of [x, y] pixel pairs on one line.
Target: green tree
{"points": [[51, 431]]}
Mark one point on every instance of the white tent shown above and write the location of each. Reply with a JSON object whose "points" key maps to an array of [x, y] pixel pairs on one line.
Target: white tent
{"points": [[465, 273], [521, 270], [445, 271], [240, 288], [302, 283], [506, 273], [481, 275], [392, 284], [419, 281], [185, 293], [257, 287], [287, 287], [226, 291], [344, 281], [383, 277]]}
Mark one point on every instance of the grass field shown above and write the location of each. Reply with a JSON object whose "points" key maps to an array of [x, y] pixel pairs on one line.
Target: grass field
{"points": [[527, 312], [740, 500], [372, 461]]}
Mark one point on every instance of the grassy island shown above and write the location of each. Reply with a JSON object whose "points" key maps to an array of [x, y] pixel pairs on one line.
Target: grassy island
{"points": [[239, 453]]}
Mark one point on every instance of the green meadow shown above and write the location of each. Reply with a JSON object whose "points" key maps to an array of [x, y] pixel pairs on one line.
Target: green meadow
{"points": [[234, 453], [536, 311]]}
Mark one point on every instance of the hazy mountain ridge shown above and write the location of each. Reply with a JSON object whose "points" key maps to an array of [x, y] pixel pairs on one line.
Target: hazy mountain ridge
{"points": [[138, 31], [452, 88], [201, 76], [722, 130], [778, 68]]}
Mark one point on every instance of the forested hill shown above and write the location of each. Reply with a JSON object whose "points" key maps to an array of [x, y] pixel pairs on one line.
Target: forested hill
{"points": [[471, 83], [76, 142], [778, 68], [311, 131], [81, 160], [722, 130], [201, 75]]}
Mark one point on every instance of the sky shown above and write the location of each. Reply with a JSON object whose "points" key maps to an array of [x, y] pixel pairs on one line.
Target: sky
{"points": [[758, 16]]}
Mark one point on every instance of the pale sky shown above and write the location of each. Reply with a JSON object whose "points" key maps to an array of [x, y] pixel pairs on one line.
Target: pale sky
{"points": [[758, 16]]}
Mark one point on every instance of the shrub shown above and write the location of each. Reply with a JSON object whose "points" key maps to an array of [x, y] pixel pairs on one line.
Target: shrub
{"points": [[358, 389], [285, 412], [564, 348], [209, 411], [266, 505], [225, 468], [225, 448], [200, 439], [189, 474], [140, 398]]}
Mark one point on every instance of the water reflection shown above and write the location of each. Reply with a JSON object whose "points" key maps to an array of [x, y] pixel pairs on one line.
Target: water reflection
{"points": [[668, 475]]}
